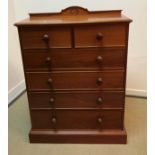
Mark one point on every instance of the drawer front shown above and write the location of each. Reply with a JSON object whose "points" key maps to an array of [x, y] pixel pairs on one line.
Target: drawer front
{"points": [[100, 35], [77, 119], [45, 37], [73, 59], [85, 99], [76, 80]]}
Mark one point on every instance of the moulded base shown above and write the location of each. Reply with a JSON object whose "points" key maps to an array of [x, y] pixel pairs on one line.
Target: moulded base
{"points": [[79, 136]]}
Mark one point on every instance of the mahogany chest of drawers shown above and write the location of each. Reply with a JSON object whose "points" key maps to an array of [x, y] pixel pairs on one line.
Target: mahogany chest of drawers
{"points": [[75, 71]]}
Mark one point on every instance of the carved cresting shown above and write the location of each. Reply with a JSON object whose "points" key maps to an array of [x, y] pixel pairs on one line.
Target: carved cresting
{"points": [[75, 10]]}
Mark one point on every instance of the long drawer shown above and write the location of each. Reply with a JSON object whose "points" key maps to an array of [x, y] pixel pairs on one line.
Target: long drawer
{"points": [[76, 99], [77, 119], [97, 80], [74, 59]]}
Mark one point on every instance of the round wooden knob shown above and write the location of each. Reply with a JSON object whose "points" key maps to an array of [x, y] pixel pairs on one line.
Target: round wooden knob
{"points": [[100, 100], [50, 80], [99, 120], [51, 100], [99, 81], [99, 59], [99, 36], [45, 37], [54, 120], [48, 59]]}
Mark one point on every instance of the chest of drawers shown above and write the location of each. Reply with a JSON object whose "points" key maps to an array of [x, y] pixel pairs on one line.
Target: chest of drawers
{"points": [[75, 71]]}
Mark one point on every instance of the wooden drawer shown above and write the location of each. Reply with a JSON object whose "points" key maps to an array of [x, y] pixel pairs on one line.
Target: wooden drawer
{"points": [[97, 80], [74, 59], [77, 119], [45, 37], [100, 35], [72, 99]]}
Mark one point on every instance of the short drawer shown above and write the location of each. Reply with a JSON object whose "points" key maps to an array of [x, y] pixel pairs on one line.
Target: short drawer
{"points": [[77, 119], [100, 35], [45, 37], [98, 80], [72, 99], [74, 59]]}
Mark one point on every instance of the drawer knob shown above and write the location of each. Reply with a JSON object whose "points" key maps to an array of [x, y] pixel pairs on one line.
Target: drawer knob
{"points": [[54, 120], [48, 59], [51, 100], [99, 59], [45, 37], [99, 120], [99, 81], [99, 36], [100, 100], [50, 80]]}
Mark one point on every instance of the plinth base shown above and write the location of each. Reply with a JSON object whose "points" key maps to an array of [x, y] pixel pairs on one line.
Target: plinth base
{"points": [[87, 137]]}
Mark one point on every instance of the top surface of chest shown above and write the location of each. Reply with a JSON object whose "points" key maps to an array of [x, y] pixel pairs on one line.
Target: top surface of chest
{"points": [[74, 15]]}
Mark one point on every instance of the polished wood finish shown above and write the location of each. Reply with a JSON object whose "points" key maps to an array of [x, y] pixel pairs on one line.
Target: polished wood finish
{"points": [[74, 99], [79, 59], [77, 119], [45, 37], [100, 80], [100, 36], [74, 15], [80, 136], [75, 70]]}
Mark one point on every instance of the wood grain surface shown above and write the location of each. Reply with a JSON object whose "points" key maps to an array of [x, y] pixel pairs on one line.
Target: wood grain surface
{"points": [[75, 70]]}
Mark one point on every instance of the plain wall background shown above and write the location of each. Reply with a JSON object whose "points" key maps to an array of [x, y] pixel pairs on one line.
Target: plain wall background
{"points": [[135, 9], [15, 70]]}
